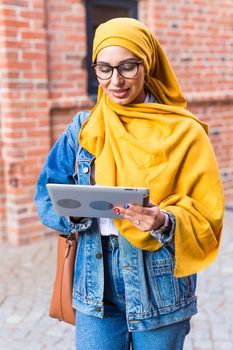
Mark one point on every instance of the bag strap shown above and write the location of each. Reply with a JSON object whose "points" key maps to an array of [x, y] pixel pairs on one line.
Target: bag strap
{"points": [[75, 165]]}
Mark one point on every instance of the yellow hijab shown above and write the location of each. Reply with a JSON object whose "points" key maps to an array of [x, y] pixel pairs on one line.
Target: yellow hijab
{"points": [[159, 146]]}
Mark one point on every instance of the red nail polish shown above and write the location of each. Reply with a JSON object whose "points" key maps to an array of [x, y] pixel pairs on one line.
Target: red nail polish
{"points": [[117, 210]]}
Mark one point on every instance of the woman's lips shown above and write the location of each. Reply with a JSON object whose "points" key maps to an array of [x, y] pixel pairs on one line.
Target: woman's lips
{"points": [[121, 93]]}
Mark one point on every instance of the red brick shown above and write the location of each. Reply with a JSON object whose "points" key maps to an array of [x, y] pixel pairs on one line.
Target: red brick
{"points": [[33, 35], [17, 65], [7, 12], [17, 24], [32, 15], [19, 125]]}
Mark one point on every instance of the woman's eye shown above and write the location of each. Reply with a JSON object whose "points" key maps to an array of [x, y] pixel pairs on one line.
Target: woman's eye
{"points": [[127, 66], [104, 69]]}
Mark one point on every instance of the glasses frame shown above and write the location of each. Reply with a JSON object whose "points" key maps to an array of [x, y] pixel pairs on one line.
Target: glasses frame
{"points": [[137, 63]]}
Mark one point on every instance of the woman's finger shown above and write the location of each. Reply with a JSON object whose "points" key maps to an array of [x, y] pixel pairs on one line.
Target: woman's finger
{"points": [[143, 218]]}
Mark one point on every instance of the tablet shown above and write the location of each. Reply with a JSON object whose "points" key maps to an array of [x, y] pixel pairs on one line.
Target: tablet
{"points": [[94, 201]]}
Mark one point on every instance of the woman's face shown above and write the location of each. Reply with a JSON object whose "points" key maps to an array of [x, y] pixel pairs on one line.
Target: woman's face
{"points": [[120, 89]]}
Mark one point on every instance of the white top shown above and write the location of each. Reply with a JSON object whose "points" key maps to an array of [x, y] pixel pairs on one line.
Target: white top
{"points": [[107, 227]]}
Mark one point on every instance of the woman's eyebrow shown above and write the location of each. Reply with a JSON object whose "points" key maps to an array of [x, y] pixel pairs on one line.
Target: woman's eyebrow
{"points": [[131, 59]]}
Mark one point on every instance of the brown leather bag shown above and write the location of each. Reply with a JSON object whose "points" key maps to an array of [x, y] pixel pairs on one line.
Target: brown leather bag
{"points": [[61, 302]]}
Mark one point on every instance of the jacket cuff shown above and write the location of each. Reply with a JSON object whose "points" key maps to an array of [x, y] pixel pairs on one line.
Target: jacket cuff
{"points": [[162, 236], [83, 224]]}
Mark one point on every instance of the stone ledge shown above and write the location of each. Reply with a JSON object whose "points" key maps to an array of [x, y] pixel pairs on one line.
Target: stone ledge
{"points": [[66, 102], [207, 96]]}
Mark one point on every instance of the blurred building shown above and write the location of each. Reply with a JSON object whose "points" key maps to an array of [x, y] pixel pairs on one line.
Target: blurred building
{"points": [[45, 78]]}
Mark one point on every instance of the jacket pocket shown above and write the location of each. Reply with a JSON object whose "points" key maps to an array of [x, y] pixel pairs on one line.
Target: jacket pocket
{"points": [[166, 288]]}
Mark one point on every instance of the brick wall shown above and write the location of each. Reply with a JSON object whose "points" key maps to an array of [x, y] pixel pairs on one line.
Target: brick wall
{"points": [[44, 83], [2, 197], [67, 52], [25, 126], [197, 35]]}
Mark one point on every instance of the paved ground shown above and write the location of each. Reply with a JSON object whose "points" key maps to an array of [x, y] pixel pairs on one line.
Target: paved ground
{"points": [[26, 278]]}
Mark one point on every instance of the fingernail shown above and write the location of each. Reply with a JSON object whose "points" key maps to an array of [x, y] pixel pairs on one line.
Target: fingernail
{"points": [[126, 205], [117, 210]]}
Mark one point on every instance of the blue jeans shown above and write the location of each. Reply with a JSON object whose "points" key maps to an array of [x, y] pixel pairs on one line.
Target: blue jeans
{"points": [[111, 332]]}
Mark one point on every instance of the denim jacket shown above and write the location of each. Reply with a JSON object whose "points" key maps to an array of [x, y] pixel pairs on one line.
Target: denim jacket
{"points": [[154, 297]]}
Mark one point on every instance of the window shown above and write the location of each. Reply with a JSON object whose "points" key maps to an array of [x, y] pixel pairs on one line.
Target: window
{"points": [[99, 11]]}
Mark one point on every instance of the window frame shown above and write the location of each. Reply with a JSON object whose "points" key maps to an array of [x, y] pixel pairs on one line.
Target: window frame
{"points": [[131, 5]]}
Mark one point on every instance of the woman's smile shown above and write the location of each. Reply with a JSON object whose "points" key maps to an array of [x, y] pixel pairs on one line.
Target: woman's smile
{"points": [[119, 93]]}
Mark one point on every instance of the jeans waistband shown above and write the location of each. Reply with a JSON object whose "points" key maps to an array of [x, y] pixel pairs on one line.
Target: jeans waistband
{"points": [[109, 242]]}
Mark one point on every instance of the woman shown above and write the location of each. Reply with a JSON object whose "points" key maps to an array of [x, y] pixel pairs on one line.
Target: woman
{"points": [[135, 277]]}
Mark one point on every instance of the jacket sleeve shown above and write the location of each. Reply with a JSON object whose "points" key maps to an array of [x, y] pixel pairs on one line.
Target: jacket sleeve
{"points": [[59, 168]]}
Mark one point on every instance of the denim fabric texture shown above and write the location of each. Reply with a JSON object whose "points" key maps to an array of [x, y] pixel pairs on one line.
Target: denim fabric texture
{"points": [[153, 296], [111, 332]]}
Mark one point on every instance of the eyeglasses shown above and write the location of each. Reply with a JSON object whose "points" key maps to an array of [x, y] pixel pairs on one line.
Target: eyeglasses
{"points": [[127, 70]]}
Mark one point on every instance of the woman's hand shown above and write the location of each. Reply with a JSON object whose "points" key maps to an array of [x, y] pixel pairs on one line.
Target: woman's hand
{"points": [[143, 218]]}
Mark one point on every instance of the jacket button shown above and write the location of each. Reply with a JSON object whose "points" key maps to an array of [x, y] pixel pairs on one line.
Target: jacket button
{"points": [[98, 308], [99, 256], [127, 267], [85, 170]]}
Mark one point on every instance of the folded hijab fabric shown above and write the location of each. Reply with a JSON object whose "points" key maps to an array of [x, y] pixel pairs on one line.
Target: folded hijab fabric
{"points": [[159, 146], [134, 36]]}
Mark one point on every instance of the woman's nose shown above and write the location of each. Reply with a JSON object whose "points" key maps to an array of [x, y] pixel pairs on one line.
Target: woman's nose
{"points": [[116, 77]]}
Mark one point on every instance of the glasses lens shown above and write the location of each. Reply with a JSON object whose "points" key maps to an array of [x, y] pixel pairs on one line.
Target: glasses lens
{"points": [[128, 70], [103, 71]]}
